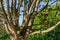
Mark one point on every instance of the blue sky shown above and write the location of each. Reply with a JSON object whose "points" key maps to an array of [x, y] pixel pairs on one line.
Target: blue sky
{"points": [[21, 16]]}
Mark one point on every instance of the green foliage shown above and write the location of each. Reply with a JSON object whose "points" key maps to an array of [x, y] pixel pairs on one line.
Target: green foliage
{"points": [[4, 37], [45, 19]]}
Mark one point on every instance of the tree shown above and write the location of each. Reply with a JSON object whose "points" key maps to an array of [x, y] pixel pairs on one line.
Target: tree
{"points": [[9, 17]]}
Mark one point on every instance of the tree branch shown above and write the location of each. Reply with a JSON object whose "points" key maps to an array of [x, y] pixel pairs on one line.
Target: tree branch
{"points": [[46, 31], [2, 9], [7, 4], [19, 5], [8, 10], [30, 23], [33, 15], [31, 6], [14, 6]]}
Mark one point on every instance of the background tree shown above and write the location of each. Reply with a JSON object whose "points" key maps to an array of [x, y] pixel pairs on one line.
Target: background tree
{"points": [[9, 15]]}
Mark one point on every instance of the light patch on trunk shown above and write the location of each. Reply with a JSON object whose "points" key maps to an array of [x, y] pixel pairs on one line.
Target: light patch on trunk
{"points": [[10, 29], [27, 29]]}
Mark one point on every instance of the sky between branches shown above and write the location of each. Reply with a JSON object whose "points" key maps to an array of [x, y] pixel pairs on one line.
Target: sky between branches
{"points": [[21, 16]]}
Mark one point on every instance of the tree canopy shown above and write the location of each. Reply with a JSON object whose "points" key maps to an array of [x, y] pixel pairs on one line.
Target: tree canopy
{"points": [[38, 18]]}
